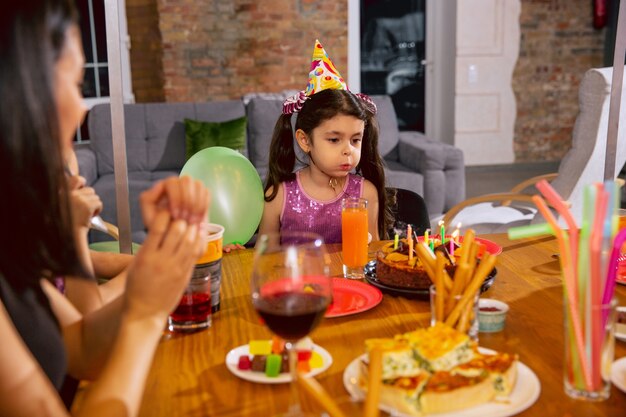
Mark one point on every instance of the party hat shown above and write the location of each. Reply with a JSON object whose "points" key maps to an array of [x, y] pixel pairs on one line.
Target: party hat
{"points": [[322, 76]]}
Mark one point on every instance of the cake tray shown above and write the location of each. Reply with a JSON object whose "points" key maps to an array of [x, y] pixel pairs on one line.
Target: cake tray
{"points": [[412, 293]]}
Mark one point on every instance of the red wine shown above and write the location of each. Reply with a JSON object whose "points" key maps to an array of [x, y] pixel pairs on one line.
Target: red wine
{"points": [[194, 307], [290, 315]]}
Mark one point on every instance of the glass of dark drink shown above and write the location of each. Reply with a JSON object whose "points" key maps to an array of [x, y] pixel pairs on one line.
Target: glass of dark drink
{"points": [[291, 291], [193, 312]]}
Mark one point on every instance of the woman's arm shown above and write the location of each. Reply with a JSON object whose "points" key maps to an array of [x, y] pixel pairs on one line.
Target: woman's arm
{"points": [[371, 194], [24, 388]]}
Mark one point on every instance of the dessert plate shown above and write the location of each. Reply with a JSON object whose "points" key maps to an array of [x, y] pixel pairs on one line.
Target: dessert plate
{"points": [[352, 297], [524, 394], [232, 359], [618, 374], [620, 325], [412, 293]]}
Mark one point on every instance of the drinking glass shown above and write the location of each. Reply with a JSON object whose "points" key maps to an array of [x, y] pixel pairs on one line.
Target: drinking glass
{"points": [[291, 290], [354, 236]]}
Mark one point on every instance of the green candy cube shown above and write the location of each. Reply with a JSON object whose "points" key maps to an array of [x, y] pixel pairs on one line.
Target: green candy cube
{"points": [[272, 365]]}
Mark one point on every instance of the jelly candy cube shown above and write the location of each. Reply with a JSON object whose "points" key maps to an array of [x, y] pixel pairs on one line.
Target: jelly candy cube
{"points": [[278, 345], [304, 355], [272, 365], [244, 363], [258, 363], [260, 347], [304, 367], [316, 360]]}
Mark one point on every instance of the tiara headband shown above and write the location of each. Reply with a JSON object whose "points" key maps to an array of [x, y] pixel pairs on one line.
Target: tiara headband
{"points": [[322, 76]]}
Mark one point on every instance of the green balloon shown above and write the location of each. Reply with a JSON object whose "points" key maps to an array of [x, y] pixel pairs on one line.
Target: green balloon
{"points": [[236, 190]]}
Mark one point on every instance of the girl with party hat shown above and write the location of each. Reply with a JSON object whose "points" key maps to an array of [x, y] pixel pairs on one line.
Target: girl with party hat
{"points": [[338, 132]]}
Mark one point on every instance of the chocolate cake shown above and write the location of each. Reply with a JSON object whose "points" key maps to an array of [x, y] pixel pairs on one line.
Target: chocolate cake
{"points": [[393, 268]]}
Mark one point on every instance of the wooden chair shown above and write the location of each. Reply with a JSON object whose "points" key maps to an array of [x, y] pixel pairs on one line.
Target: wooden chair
{"points": [[583, 164]]}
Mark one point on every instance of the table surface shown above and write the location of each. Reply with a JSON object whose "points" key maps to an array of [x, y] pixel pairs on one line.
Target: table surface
{"points": [[189, 376]]}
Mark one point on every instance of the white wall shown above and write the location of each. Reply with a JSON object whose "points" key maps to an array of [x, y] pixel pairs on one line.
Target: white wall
{"points": [[488, 37], [472, 48]]}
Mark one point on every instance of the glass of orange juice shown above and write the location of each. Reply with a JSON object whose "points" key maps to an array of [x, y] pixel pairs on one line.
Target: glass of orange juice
{"points": [[354, 236]]}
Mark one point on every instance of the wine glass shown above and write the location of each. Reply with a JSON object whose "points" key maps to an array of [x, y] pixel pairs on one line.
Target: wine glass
{"points": [[291, 291]]}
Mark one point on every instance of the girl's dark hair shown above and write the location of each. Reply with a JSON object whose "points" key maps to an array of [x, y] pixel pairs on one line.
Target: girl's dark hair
{"points": [[318, 108], [35, 214]]}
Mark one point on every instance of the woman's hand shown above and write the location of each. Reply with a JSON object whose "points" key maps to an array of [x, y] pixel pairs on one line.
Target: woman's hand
{"points": [[185, 198], [163, 266], [84, 202]]}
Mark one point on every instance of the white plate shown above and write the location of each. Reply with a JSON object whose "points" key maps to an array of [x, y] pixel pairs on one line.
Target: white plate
{"points": [[620, 328], [232, 360], [618, 374], [524, 394]]}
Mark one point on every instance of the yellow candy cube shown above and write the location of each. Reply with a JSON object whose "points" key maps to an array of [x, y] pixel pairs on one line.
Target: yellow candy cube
{"points": [[260, 347], [316, 360]]}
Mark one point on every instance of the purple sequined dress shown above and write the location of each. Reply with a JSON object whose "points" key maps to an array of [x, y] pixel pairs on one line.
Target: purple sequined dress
{"points": [[301, 213]]}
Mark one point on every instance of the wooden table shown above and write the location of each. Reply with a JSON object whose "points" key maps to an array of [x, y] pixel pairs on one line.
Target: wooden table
{"points": [[189, 377]]}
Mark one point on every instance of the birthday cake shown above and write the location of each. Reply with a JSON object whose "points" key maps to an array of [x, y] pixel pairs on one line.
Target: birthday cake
{"points": [[394, 267]]}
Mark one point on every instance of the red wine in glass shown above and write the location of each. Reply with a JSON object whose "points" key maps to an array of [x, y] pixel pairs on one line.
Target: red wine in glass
{"points": [[291, 315], [291, 290]]}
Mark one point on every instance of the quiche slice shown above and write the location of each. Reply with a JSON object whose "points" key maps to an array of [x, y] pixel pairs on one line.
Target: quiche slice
{"points": [[398, 359], [440, 347], [502, 369]]}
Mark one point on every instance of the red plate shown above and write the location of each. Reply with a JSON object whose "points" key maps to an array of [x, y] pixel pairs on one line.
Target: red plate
{"points": [[352, 297], [491, 247]]}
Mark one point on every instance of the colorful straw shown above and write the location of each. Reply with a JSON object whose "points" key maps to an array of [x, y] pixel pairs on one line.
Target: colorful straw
{"points": [[566, 266]]}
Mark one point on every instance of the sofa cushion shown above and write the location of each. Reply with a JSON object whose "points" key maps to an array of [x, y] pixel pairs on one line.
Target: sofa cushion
{"points": [[99, 122], [262, 116], [155, 132], [166, 130], [388, 134], [200, 135]]}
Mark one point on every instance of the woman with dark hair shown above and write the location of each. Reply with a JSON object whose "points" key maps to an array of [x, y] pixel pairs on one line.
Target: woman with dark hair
{"points": [[338, 132], [44, 338]]}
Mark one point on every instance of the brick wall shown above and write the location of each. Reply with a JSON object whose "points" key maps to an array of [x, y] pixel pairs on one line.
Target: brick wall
{"points": [[220, 49], [190, 50], [558, 45], [145, 53]]}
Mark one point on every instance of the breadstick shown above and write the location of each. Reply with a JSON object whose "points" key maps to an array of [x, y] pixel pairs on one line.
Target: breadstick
{"points": [[467, 243], [320, 395], [428, 260], [457, 287], [374, 381], [440, 291], [485, 267], [466, 317]]}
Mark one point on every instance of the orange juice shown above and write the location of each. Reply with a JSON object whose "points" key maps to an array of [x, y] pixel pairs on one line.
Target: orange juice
{"points": [[354, 236]]}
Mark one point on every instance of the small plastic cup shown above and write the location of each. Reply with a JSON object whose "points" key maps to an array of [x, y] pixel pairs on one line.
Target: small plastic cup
{"points": [[211, 262], [491, 315]]}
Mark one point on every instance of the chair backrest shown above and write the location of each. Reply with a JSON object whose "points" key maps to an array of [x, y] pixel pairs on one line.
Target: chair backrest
{"points": [[410, 208], [584, 162]]}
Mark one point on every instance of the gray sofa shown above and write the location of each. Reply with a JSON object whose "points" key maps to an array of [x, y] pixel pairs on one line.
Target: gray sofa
{"points": [[155, 143]]}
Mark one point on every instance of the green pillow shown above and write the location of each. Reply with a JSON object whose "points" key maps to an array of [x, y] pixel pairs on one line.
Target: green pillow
{"points": [[200, 135]]}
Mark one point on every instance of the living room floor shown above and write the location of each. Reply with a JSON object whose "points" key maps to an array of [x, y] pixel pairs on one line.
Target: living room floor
{"points": [[489, 179]]}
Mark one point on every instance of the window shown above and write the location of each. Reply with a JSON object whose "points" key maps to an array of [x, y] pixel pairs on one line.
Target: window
{"points": [[96, 82]]}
